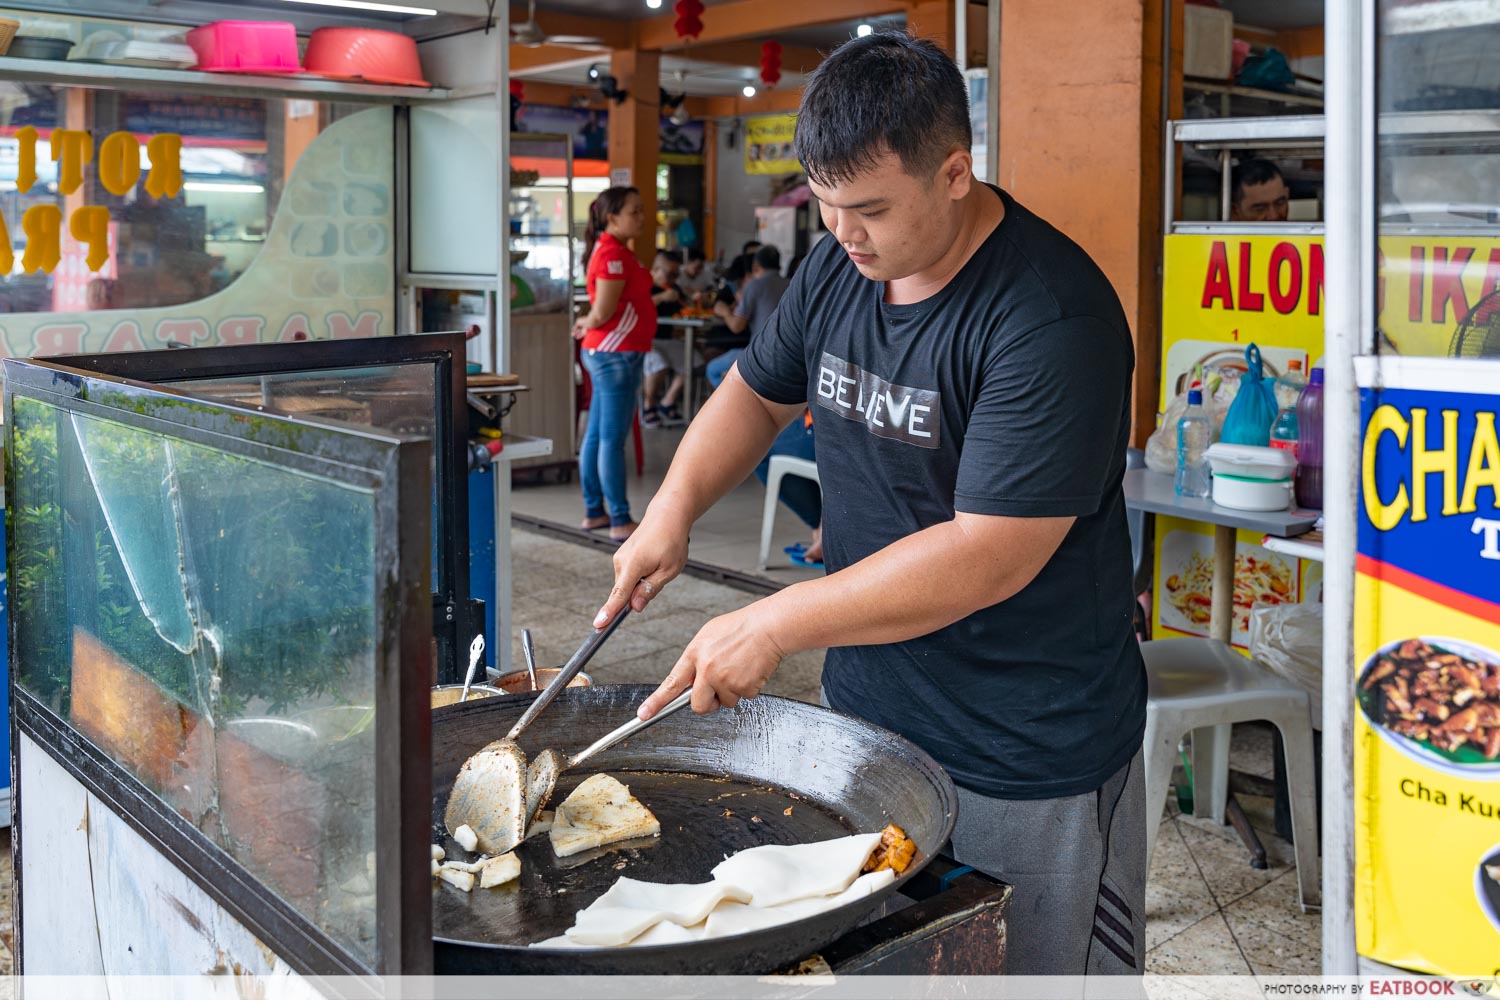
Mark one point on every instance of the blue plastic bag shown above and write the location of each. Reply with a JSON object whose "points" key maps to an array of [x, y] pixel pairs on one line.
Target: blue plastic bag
{"points": [[1253, 412]]}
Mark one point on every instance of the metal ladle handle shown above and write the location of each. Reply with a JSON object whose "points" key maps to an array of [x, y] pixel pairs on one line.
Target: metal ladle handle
{"points": [[630, 728], [569, 670]]}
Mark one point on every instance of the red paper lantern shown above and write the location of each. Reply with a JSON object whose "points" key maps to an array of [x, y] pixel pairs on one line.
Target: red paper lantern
{"points": [[689, 23], [518, 90], [770, 63]]}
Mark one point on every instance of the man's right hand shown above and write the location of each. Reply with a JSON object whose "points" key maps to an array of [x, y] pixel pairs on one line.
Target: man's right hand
{"points": [[650, 558]]}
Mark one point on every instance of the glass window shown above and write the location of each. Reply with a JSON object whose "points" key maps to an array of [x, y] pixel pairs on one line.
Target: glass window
{"points": [[1438, 170], [208, 620]]}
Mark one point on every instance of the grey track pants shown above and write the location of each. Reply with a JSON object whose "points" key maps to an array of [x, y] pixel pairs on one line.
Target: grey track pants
{"points": [[1078, 866]]}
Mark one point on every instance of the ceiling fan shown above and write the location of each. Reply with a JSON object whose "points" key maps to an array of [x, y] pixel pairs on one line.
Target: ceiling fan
{"points": [[531, 33]]}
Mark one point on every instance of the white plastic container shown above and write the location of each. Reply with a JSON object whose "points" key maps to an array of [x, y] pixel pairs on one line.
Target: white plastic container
{"points": [[1250, 462], [1250, 478], [1252, 494]]}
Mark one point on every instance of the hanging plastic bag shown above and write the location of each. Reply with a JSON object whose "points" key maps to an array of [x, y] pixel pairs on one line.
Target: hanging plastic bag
{"points": [[1219, 388], [1288, 639], [1253, 412]]}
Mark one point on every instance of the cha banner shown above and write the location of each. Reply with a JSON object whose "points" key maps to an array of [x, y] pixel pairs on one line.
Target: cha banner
{"points": [[1427, 669]]}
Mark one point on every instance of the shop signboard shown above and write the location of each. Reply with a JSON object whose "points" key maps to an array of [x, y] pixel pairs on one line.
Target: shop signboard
{"points": [[681, 145], [1222, 292], [1427, 667], [768, 145]]}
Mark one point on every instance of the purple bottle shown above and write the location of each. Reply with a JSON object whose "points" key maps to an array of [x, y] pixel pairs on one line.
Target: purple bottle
{"points": [[1309, 487]]}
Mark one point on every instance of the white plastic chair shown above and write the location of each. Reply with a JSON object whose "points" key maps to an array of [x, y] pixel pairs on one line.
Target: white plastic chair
{"points": [[1203, 687], [781, 466]]}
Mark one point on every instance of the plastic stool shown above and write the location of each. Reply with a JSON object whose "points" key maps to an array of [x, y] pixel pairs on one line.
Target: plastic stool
{"points": [[781, 466], [1203, 687]]}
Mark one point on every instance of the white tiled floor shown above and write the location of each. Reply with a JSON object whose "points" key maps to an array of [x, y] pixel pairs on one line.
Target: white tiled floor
{"points": [[1208, 912]]}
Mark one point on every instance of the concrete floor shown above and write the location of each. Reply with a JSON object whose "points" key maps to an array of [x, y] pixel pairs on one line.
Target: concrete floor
{"points": [[728, 535], [1208, 912]]}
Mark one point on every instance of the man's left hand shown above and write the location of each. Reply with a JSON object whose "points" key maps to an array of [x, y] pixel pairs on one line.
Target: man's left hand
{"points": [[732, 657]]}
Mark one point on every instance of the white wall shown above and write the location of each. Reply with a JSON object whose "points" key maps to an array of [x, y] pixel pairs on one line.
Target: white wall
{"points": [[738, 193]]}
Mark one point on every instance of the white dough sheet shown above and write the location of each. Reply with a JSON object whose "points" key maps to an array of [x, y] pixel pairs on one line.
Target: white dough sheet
{"points": [[757, 888]]}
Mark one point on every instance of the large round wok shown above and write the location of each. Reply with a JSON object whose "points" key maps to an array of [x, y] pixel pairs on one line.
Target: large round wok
{"points": [[769, 771]]}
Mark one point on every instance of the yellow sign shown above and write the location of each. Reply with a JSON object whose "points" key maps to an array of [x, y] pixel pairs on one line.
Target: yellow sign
{"points": [[768, 145], [1427, 678], [1427, 286], [119, 168]]}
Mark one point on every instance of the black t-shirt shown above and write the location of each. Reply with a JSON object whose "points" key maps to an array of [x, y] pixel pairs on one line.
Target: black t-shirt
{"points": [[1007, 392], [665, 309]]}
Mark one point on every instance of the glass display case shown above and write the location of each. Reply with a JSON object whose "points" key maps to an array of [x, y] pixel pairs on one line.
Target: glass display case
{"points": [[222, 574], [407, 385]]}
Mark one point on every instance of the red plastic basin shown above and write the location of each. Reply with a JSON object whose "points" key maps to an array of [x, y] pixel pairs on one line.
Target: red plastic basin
{"points": [[364, 54], [245, 47]]}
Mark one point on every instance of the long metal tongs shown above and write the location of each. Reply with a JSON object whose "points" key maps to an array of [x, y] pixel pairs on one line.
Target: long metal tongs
{"points": [[569, 671]]}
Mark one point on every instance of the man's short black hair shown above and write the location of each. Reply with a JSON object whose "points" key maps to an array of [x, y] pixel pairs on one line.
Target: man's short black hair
{"points": [[750, 246], [769, 258], [696, 253], [671, 255], [1251, 173], [886, 92]]}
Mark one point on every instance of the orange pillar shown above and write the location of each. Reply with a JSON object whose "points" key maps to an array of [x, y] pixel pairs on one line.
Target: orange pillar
{"points": [[1081, 145], [933, 19], [635, 132]]}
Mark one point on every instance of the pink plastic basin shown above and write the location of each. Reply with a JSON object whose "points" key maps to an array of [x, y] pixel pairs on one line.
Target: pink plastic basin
{"points": [[246, 47], [364, 54]]}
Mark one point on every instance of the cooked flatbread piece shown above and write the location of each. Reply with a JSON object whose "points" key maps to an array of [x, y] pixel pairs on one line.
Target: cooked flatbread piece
{"points": [[740, 918], [778, 873], [498, 871], [489, 796], [631, 908], [600, 811]]}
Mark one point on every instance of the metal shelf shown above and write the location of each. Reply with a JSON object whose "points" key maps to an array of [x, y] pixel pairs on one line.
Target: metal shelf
{"points": [[185, 81], [518, 446], [1442, 15]]}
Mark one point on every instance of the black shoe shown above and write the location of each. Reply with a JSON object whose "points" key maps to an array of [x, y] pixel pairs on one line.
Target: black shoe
{"points": [[671, 416], [651, 417]]}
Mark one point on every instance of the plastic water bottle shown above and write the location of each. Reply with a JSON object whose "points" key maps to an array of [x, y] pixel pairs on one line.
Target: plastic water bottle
{"points": [[1193, 438], [1309, 486], [1288, 390]]}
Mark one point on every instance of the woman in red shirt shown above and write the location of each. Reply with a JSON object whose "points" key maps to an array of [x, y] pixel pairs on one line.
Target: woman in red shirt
{"points": [[616, 333]]}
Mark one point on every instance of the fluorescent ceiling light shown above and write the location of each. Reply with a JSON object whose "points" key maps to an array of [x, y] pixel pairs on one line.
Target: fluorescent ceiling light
{"points": [[863, 30], [749, 91], [654, 4], [385, 8], [224, 187]]}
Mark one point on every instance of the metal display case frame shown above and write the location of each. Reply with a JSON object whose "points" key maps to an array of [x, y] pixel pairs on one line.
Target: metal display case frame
{"points": [[396, 471]]}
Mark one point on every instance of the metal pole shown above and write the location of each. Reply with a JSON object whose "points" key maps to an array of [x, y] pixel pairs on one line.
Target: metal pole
{"points": [[501, 470], [1348, 329], [992, 91], [961, 34]]}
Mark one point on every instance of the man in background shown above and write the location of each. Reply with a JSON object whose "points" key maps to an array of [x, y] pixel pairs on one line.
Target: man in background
{"points": [[1259, 193], [695, 276], [665, 364], [757, 301]]}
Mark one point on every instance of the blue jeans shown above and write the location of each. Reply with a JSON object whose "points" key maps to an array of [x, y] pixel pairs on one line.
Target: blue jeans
{"points": [[616, 377], [718, 369], [802, 496]]}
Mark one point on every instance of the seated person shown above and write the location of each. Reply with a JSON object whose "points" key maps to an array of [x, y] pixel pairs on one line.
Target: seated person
{"points": [[696, 276], [664, 365], [1259, 192], [803, 497], [757, 301]]}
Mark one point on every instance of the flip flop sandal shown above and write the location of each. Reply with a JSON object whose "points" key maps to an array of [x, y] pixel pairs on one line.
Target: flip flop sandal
{"points": [[795, 550], [799, 561]]}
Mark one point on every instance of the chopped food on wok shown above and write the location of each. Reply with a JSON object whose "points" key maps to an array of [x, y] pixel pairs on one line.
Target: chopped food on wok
{"points": [[894, 851], [600, 811]]}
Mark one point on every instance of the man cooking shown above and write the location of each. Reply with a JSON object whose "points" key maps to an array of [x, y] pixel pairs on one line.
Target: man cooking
{"points": [[969, 373]]}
